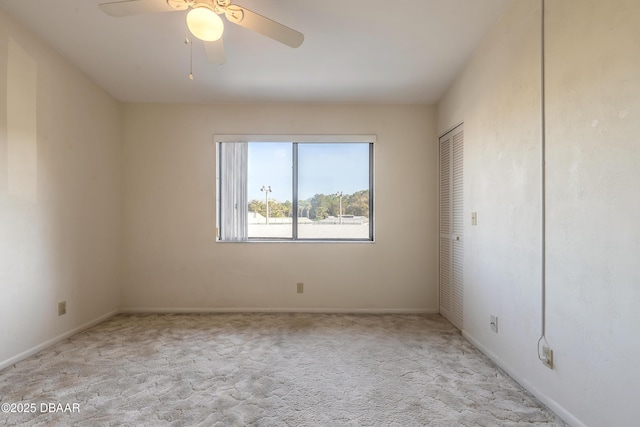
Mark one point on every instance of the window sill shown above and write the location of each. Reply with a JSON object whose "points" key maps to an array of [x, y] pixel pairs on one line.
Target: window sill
{"points": [[294, 241]]}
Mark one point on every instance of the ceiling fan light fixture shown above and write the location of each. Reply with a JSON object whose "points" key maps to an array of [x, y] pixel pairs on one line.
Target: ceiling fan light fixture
{"points": [[205, 24]]}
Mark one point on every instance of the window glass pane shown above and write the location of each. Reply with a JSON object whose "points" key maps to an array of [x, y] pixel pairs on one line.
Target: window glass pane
{"points": [[269, 190], [333, 191]]}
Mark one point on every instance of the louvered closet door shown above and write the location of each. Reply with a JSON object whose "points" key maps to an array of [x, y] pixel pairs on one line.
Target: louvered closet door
{"points": [[452, 226]]}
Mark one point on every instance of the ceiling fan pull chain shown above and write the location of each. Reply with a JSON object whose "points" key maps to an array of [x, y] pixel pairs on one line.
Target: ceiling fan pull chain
{"points": [[191, 60], [189, 42]]}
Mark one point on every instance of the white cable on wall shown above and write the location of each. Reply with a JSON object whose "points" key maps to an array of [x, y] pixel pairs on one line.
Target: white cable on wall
{"points": [[543, 231]]}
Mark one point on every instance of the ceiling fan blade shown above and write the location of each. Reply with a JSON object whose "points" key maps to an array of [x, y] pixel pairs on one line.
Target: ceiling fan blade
{"points": [[263, 25], [135, 7], [215, 52]]}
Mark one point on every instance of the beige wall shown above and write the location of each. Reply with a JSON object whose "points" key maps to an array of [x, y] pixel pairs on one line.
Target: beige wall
{"points": [[173, 262], [593, 236], [60, 148]]}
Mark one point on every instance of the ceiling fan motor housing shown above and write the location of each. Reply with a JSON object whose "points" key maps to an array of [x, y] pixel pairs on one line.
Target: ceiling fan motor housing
{"points": [[217, 6]]}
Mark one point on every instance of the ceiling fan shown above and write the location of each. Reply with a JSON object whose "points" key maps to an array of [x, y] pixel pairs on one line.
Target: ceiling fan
{"points": [[204, 22]]}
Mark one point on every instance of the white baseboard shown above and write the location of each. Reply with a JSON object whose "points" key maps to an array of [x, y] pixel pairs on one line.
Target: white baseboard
{"points": [[550, 403], [40, 347], [132, 310]]}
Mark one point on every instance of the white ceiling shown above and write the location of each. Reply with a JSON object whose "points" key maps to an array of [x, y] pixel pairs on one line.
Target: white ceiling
{"points": [[355, 51]]}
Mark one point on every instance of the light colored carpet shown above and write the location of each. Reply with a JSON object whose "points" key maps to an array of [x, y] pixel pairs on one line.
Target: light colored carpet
{"points": [[268, 370]]}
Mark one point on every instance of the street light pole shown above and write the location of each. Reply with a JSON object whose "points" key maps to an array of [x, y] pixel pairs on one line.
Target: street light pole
{"points": [[340, 194], [266, 190]]}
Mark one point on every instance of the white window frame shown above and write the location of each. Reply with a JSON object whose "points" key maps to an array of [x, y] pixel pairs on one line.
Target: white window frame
{"points": [[297, 138]]}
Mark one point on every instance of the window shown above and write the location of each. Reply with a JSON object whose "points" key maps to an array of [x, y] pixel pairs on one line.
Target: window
{"points": [[295, 188]]}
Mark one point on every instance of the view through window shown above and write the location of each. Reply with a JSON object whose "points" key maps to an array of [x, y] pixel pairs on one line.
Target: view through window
{"points": [[306, 191]]}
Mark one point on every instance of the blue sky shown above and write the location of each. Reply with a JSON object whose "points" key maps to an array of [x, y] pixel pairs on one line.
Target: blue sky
{"points": [[324, 168]]}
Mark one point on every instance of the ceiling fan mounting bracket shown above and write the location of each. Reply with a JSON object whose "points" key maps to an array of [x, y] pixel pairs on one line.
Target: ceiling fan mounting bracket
{"points": [[179, 4], [234, 14], [220, 6]]}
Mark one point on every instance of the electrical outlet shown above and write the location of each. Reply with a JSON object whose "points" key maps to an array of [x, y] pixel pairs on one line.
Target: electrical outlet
{"points": [[62, 308], [547, 354], [493, 322], [474, 218], [300, 287]]}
